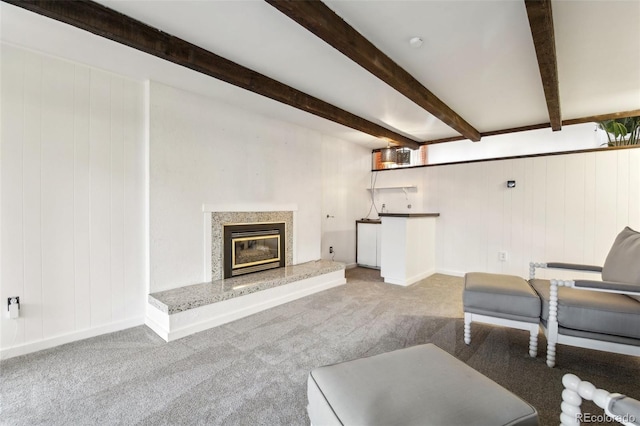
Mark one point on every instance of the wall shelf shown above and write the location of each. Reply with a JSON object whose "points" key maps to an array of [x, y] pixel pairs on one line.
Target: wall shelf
{"points": [[401, 188]]}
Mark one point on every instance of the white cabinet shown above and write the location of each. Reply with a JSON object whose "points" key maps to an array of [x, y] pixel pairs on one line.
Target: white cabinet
{"points": [[409, 247], [368, 244]]}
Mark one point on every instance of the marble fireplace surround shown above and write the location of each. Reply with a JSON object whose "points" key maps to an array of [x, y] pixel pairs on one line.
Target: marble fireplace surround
{"points": [[216, 216]]}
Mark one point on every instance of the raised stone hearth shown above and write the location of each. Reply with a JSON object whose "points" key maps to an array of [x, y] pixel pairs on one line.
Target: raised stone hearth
{"points": [[176, 313]]}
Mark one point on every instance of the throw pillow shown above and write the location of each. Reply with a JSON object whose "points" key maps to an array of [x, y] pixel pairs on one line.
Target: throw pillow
{"points": [[623, 261]]}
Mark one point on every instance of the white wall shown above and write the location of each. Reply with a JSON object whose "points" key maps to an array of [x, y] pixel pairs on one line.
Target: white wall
{"points": [[72, 192], [206, 152], [570, 138], [345, 177], [74, 233], [564, 208]]}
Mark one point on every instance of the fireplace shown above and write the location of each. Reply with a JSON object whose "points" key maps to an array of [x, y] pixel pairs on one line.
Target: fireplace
{"points": [[253, 247]]}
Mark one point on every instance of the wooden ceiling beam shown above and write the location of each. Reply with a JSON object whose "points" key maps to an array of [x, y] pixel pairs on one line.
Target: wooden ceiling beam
{"points": [[319, 19], [541, 23], [108, 23]]}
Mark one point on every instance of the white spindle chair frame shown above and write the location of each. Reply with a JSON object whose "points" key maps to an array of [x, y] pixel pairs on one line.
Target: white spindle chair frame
{"points": [[551, 329]]}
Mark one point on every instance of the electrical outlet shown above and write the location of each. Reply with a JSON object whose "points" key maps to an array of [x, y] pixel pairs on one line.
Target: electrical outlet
{"points": [[502, 256], [331, 249], [13, 306]]}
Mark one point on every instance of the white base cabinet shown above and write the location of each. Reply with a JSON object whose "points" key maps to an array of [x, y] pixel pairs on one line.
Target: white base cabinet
{"points": [[368, 244]]}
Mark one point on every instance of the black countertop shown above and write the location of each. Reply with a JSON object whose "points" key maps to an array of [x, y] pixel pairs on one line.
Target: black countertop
{"points": [[374, 221], [408, 214]]}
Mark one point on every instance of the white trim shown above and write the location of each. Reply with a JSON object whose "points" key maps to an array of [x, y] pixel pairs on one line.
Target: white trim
{"points": [[249, 207], [157, 321], [411, 280], [450, 272], [146, 190], [207, 273], [598, 345], [294, 243], [520, 325], [181, 324], [27, 348]]}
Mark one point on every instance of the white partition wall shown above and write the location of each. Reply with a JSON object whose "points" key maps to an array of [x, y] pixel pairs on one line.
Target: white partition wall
{"points": [[408, 249], [72, 201]]}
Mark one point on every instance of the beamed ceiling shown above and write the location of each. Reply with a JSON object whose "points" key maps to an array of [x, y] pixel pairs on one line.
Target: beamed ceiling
{"points": [[346, 68]]}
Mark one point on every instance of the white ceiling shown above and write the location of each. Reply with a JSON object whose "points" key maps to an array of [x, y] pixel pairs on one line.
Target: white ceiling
{"points": [[477, 57]]}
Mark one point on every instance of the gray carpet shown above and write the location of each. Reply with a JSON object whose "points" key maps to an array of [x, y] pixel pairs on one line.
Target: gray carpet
{"points": [[253, 371]]}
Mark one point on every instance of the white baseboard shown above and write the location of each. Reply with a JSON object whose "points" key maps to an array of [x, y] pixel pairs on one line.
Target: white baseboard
{"points": [[181, 324], [410, 280], [449, 272], [74, 336]]}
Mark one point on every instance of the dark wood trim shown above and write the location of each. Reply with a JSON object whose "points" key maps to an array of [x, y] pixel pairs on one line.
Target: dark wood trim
{"points": [[602, 117], [316, 17], [541, 23], [582, 120], [108, 23], [492, 133], [544, 154], [444, 140], [518, 129]]}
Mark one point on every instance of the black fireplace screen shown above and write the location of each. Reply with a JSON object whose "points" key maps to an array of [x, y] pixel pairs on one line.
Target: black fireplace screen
{"points": [[253, 247]]}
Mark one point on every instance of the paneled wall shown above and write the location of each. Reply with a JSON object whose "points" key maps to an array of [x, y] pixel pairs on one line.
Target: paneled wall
{"points": [[203, 151], [72, 188], [564, 208], [345, 177]]}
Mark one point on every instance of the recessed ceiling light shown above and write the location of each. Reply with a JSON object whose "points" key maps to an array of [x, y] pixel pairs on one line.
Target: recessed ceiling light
{"points": [[415, 42]]}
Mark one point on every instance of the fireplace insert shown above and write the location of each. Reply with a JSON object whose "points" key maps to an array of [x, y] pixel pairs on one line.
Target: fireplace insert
{"points": [[253, 247]]}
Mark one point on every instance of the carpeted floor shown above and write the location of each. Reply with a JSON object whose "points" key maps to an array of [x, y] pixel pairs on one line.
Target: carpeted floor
{"points": [[253, 371]]}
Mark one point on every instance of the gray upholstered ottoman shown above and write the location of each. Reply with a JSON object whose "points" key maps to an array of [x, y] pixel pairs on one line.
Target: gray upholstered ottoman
{"points": [[420, 385], [505, 300]]}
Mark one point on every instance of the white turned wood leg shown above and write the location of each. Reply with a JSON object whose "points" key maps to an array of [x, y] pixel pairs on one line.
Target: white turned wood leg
{"points": [[551, 354], [552, 324], [467, 328], [533, 342]]}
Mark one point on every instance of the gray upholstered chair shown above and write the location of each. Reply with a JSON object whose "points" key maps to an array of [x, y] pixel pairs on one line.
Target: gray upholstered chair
{"points": [[597, 314], [619, 408]]}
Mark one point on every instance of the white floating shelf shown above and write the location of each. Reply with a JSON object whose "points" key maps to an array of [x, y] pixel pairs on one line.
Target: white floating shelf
{"points": [[402, 188]]}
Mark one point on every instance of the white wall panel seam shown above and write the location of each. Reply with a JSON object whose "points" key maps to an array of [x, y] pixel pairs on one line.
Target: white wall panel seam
{"points": [[75, 222], [24, 247], [111, 194], [90, 200], [41, 215]]}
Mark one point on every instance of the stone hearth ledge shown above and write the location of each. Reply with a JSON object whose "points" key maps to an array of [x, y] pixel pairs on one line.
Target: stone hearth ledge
{"points": [[186, 310]]}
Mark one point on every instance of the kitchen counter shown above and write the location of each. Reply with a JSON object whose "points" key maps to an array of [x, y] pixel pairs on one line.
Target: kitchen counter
{"points": [[374, 221], [408, 214]]}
